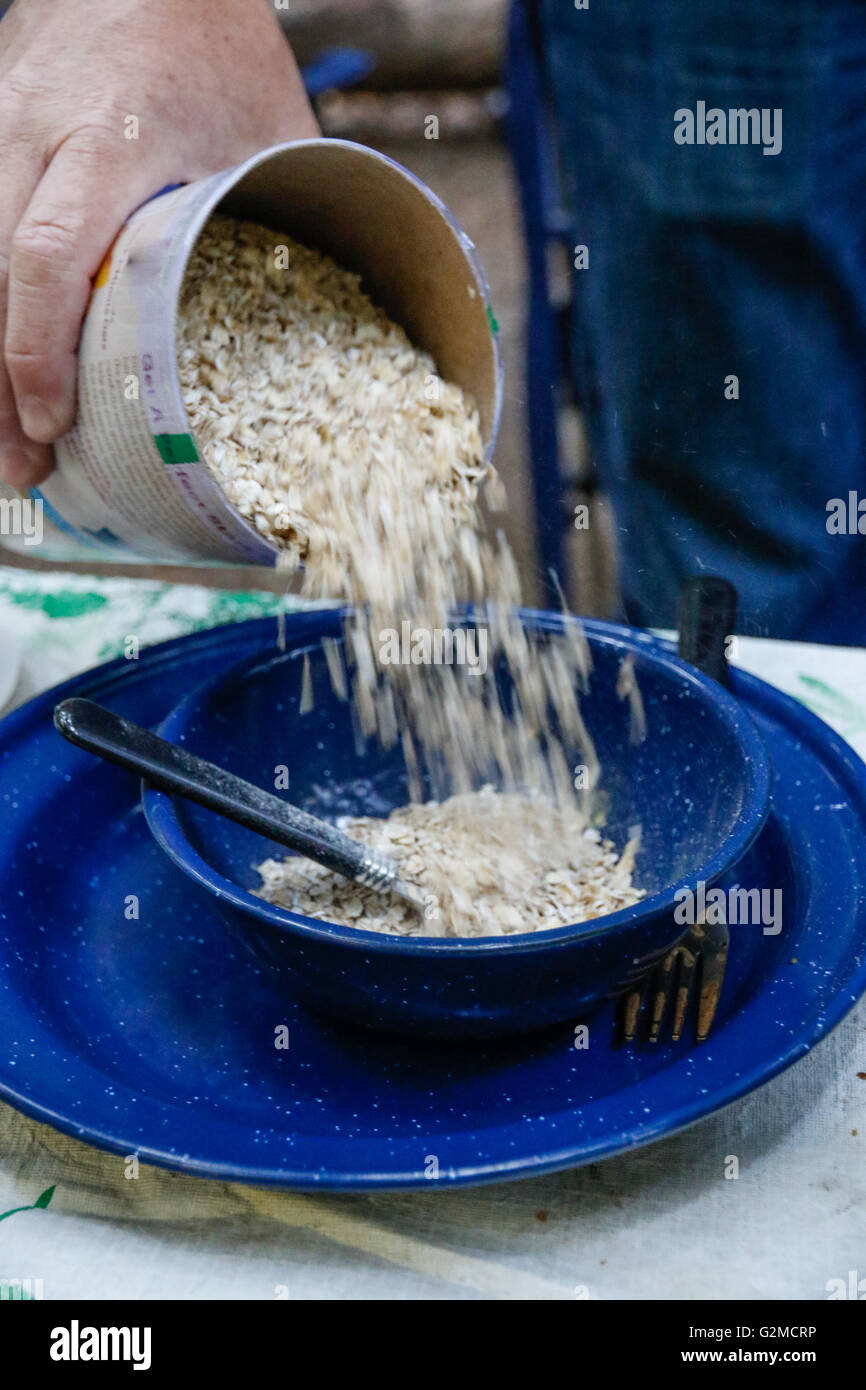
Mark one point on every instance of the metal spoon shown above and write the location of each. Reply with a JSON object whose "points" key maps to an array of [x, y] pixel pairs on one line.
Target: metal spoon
{"points": [[173, 769]]}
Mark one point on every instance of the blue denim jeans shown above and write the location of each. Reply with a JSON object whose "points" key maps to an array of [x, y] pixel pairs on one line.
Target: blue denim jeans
{"points": [[708, 261]]}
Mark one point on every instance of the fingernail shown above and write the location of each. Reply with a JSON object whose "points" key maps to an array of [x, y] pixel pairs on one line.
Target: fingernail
{"points": [[19, 469], [37, 420]]}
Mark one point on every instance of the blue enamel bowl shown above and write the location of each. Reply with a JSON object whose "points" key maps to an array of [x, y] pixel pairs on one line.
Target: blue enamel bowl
{"points": [[699, 786]]}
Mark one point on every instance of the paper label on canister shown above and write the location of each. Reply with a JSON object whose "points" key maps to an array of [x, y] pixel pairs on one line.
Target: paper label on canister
{"points": [[128, 482]]}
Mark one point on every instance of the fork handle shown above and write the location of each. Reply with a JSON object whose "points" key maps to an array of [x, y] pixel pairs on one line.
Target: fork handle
{"points": [[707, 616]]}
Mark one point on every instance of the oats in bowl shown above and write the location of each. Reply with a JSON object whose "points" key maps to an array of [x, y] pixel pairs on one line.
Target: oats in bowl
{"points": [[489, 864]]}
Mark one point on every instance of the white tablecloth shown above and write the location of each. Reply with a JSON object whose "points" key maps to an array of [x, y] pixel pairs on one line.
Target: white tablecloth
{"points": [[662, 1222]]}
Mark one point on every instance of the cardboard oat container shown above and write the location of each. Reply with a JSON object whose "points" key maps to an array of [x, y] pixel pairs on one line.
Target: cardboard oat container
{"points": [[129, 483]]}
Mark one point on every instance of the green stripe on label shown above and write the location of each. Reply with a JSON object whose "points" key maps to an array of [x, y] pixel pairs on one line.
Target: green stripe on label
{"points": [[176, 448]]}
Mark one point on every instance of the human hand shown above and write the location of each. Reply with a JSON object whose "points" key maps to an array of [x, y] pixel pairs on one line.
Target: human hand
{"points": [[208, 82]]}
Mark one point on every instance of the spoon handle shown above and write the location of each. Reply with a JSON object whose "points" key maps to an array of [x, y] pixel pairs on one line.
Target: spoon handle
{"points": [[173, 769]]}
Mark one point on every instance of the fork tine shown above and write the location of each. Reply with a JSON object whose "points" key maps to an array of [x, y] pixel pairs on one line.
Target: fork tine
{"points": [[685, 980], [662, 981], [713, 965], [631, 1013], [704, 951]]}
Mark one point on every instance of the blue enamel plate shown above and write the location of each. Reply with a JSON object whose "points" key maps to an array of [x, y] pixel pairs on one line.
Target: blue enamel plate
{"points": [[129, 1017]]}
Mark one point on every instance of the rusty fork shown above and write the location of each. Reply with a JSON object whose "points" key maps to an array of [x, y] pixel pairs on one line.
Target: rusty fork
{"points": [[707, 613], [702, 952]]}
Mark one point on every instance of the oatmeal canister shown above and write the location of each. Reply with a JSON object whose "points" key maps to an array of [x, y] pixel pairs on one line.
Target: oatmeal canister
{"points": [[129, 483]]}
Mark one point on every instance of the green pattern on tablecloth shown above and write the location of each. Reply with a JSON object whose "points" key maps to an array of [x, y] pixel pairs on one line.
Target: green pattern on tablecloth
{"points": [[846, 715], [62, 604], [66, 623], [41, 1202]]}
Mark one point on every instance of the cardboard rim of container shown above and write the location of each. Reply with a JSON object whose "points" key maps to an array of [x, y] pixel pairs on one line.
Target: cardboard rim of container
{"points": [[441, 310]]}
